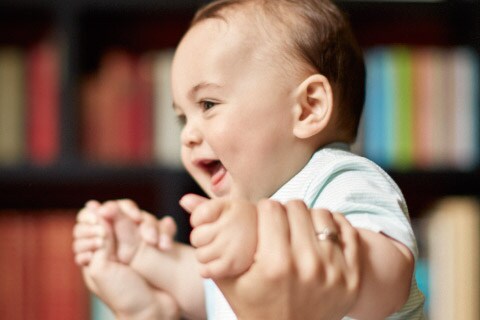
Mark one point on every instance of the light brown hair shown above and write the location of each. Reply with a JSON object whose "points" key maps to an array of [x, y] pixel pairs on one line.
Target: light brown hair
{"points": [[321, 36]]}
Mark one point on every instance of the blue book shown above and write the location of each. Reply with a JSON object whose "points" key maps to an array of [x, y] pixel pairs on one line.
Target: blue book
{"points": [[374, 125]]}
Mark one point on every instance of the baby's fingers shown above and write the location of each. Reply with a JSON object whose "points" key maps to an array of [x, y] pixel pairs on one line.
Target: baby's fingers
{"points": [[203, 235], [217, 269], [207, 212]]}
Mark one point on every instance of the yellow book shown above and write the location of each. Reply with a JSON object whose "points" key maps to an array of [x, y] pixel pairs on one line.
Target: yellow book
{"points": [[12, 106], [453, 252]]}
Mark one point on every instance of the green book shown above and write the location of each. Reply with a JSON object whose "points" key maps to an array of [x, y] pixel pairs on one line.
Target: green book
{"points": [[12, 106], [403, 96]]}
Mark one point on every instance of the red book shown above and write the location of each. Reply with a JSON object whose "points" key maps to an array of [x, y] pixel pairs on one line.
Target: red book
{"points": [[43, 72], [12, 284], [141, 116], [60, 291], [38, 276]]}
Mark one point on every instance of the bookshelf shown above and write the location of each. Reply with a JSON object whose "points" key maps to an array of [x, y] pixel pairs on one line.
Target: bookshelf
{"points": [[84, 30]]}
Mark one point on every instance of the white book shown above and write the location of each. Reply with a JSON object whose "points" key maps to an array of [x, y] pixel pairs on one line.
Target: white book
{"points": [[464, 117]]}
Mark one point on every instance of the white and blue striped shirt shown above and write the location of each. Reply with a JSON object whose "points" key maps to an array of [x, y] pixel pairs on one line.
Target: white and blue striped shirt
{"points": [[341, 181]]}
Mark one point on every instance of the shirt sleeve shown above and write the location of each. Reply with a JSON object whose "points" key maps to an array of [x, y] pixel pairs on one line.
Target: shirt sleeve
{"points": [[367, 197]]}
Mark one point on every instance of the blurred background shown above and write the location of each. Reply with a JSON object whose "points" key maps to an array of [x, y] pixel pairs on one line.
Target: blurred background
{"points": [[85, 113]]}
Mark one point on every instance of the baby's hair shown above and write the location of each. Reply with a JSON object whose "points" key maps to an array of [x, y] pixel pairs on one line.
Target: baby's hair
{"points": [[320, 35]]}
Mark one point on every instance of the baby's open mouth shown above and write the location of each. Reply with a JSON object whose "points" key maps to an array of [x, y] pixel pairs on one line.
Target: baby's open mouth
{"points": [[215, 169]]}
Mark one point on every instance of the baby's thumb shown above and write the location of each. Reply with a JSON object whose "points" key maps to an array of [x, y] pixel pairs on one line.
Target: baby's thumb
{"points": [[190, 201]]}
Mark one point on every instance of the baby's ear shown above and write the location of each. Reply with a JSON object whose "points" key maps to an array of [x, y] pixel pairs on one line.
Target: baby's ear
{"points": [[314, 106]]}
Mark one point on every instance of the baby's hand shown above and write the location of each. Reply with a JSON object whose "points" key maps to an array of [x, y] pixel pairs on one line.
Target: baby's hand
{"points": [[130, 226], [225, 235]]}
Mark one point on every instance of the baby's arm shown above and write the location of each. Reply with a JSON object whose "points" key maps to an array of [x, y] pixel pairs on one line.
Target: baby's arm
{"points": [[122, 289], [170, 271], [225, 235], [173, 268], [387, 270]]}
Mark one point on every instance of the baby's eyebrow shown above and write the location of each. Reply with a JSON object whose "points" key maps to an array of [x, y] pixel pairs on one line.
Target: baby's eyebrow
{"points": [[203, 85]]}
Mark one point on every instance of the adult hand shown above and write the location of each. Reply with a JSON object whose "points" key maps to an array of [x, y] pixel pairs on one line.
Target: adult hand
{"points": [[295, 274]]}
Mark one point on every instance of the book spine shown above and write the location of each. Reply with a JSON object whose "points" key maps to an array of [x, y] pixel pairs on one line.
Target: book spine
{"points": [[43, 103], [12, 106]]}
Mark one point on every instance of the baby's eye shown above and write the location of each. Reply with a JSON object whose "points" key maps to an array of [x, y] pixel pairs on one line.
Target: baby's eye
{"points": [[207, 104]]}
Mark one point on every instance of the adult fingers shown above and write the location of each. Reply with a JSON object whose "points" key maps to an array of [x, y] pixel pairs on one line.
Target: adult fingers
{"points": [[149, 230], [110, 210], [131, 209], [87, 215], [81, 230], [326, 231], [168, 229], [84, 258], [302, 239], [92, 204], [273, 237], [350, 242], [83, 245]]}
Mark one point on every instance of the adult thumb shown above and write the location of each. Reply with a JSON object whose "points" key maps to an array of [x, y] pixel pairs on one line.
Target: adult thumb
{"points": [[190, 201]]}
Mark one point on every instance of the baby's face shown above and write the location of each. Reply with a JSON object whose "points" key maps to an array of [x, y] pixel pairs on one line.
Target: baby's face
{"points": [[236, 104]]}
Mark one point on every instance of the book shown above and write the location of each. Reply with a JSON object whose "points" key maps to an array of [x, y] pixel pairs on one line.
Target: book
{"points": [[60, 292], [117, 110], [12, 106], [43, 102], [374, 124], [454, 253], [12, 288], [39, 277], [403, 109], [141, 111], [463, 108], [440, 128], [423, 107]]}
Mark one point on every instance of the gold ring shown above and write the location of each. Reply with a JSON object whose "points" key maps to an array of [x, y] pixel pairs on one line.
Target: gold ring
{"points": [[327, 234]]}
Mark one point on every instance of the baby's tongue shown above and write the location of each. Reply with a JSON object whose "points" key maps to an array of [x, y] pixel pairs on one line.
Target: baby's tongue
{"points": [[218, 173]]}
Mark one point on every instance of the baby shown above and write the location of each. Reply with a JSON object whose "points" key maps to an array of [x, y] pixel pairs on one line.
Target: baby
{"points": [[270, 94]]}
